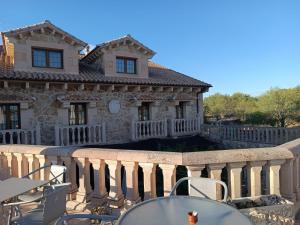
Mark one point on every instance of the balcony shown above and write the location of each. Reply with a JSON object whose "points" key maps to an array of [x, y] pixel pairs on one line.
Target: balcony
{"points": [[21, 136], [80, 135]]}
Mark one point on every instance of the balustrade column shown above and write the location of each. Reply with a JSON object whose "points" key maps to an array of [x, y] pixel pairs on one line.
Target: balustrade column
{"points": [[149, 171], [254, 177], [99, 178], [273, 179], [115, 194], [16, 168], [169, 177], [132, 194], [30, 160], [9, 157], [296, 176], [84, 185], [67, 161], [195, 171], [286, 180], [214, 172], [234, 179], [42, 162]]}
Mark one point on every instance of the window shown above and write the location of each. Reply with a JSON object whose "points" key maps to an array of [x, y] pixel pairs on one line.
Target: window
{"points": [[47, 58], [144, 111], [77, 114], [180, 110], [9, 116], [126, 65]]}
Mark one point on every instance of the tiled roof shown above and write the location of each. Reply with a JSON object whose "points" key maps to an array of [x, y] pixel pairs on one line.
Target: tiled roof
{"points": [[158, 75], [43, 24]]}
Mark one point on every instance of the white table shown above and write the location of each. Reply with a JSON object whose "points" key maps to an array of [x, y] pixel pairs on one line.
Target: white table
{"points": [[12, 187], [173, 211]]}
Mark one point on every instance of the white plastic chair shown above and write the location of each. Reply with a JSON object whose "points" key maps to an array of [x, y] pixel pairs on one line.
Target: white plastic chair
{"points": [[56, 176], [52, 207], [202, 187]]}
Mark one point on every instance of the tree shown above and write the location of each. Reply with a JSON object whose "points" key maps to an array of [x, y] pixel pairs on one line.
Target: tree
{"points": [[280, 104]]}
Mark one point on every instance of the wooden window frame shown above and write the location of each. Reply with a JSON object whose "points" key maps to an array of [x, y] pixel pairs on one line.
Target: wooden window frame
{"points": [[125, 64], [47, 50], [19, 114]]}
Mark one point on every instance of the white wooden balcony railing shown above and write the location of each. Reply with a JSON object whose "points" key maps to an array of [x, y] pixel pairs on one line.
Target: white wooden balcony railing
{"points": [[149, 129], [179, 127], [21, 136], [255, 134], [79, 135], [100, 174]]}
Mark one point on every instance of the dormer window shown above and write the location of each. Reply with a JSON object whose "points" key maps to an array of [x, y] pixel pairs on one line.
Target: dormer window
{"points": [[47, 58], [126, 65]]}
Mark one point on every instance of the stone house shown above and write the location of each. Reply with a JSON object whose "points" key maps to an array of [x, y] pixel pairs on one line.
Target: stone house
{"points": [[53, 94]]}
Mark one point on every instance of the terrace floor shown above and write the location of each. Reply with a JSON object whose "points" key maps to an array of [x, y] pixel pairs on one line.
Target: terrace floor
{"points": [[180, 144]]}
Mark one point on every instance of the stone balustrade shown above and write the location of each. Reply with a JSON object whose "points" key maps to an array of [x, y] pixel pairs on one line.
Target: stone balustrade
{"points": [[253, 134], [128, 176], [21, 136], [79, 135], [179, 127], [142, 130]]}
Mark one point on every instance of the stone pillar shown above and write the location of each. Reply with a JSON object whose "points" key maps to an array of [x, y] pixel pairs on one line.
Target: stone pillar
{"points": [[195, 171], [81, 195], [254, 177], [42, 162], [169, 174], [149, 171], [30, 159], [9, 158], [115, 195], [132, 195], [99, 179], [273, 179], [234, 179], [19, 168], [287, 181], [214, 172]]}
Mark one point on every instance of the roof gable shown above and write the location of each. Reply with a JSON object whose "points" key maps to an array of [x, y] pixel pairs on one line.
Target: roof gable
{"points": [[44, 27], [126, 40]]}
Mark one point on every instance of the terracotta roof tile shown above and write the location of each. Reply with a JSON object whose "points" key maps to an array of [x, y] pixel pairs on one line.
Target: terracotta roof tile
{"points": [[158, 75]]}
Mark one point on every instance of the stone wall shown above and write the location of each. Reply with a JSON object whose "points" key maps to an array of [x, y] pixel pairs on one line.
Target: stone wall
{"points": [[43, 107]]}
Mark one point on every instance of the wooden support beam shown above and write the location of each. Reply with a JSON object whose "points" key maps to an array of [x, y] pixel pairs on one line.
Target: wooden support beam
{"points": [[97, 87], [111, 88], [180, 89], [47, 86], [149, 89], [81, 87], [124, 88], [27, 85], [5, 84], [137, 88], [65, 87]]}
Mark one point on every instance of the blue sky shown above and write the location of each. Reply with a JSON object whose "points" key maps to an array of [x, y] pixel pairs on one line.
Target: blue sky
{"points": [[236, 45]]}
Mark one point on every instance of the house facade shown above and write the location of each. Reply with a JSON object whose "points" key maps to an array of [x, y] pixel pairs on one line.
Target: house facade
{"points": [[52, 94]]}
